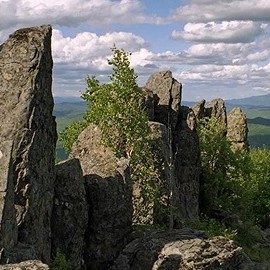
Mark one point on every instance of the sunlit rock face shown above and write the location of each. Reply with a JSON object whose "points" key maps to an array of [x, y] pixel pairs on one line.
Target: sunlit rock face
{"points": [[26, 106]]}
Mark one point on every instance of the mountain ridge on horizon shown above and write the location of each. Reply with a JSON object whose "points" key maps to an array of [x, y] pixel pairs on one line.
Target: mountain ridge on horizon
{"points": [[260, 100]]}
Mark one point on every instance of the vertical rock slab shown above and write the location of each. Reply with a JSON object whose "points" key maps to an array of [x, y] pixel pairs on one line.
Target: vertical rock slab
{"points": [[199, 109], [109, 195], [216, 108], [26, 106], [8, 226], [186, 167], [237, 129], [169, 92], [70, 212]]}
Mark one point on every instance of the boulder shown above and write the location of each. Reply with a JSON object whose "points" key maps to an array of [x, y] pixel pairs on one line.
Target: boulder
{"points": [[169, 92], [26, 106], [70, 212], [183, 249], [109, 195], [26, 265], [237, 129]]}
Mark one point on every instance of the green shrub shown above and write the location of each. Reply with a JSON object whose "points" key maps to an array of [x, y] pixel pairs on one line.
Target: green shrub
{"points": [[60, 262]]}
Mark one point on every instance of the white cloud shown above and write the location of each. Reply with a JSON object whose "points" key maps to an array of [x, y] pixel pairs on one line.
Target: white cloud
{"points": [[227, 32], [89, 49], [87, 53], [72, 12], [212, 10]]}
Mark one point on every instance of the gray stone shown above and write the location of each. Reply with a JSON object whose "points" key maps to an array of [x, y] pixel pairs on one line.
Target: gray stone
{"points": [[148, 212], [186, 166], [26, 106], [181, 250], [109, 195], [199, 109], [216, 108], [149, 103], [237, 129], [169, 92], [70, 212], [26, 265], [8, 226]]}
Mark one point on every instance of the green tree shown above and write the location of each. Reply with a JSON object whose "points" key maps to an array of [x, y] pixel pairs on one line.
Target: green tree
{"points": [[60, 262], [259, 186], [116, 108], [223, 170]]}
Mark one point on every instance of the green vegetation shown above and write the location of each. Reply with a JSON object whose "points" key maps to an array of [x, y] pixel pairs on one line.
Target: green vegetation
{"points": [[238, 183], [259, 127], [115, 107], [60, 262]]}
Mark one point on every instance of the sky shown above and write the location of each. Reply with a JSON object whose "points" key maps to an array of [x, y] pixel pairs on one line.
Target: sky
{"points": [[215, 48]]}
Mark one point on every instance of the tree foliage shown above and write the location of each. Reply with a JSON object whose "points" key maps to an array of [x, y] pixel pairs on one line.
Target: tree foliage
{"points": [[116, 108], [238, 181], [221, 167]]}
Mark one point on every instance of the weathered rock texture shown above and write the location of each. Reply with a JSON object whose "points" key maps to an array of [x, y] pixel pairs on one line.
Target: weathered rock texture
{"points": [[169, 92], [178, 148], [237, 129], [181, 250], [109, 195], [216, 108], [26, 106], [8, 226], [70, 212], [26, 265], [186, 167], [235, 122]]}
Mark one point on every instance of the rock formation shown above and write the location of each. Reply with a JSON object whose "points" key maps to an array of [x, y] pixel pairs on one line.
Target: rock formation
{"points": [[182, 162], [186, 167], [216, 108], [26, 265], [181, 250], [109, 195], [26, 105], [8, 226], [83, 206], [237, 129], [70, 212], [169, 92]]}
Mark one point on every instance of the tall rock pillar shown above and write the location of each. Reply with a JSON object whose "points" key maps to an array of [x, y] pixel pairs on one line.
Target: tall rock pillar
{"points": [[26, 106]]}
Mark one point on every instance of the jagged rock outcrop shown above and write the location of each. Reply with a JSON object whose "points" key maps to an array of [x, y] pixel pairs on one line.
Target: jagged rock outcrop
{"points": [[199, 109], [180, 175], [186, 167], [26, 106], [216, 108], [109, 195], [27, 265], [70, 212], [181, 250], [237, 129], [169, 92]]}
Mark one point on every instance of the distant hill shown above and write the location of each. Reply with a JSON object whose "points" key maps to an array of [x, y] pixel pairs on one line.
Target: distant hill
{"points": [[251, 102], [67, 99], [257, 109]]}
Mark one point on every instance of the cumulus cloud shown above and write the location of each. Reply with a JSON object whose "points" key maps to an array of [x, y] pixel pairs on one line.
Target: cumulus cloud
{"points": [[212, 10], [214, 32], [71, 12], [87, 53]]}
